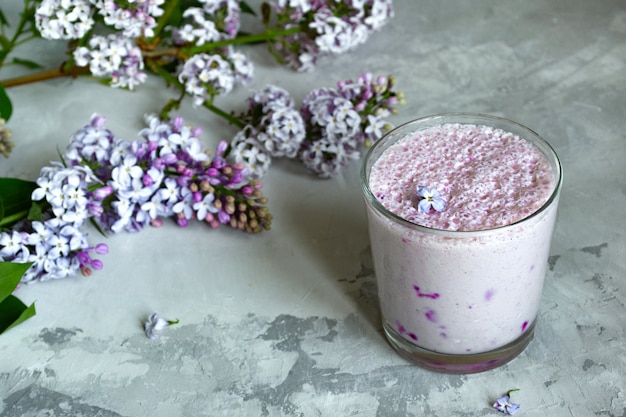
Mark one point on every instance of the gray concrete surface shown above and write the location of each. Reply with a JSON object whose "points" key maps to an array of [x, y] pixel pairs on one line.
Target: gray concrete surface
{"points": [[286, 323]]}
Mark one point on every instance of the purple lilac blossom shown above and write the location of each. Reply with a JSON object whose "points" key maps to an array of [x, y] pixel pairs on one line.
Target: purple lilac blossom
{"points": [[167, 173], [55, 244], [124, 186]]}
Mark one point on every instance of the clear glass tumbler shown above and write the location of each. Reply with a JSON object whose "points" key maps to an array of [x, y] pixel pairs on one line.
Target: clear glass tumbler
{"points": [[459, 301]]}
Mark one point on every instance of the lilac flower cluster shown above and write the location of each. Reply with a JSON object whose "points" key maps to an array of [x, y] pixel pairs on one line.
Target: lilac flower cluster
{"points": [[123, 186], [274, 128], [205, 76], [64, 19], [72, 19], [166, 174], [215, 20], [55, 243], [134, 19], [328, 28], [329, 130], [340, 122], [112, 57]]}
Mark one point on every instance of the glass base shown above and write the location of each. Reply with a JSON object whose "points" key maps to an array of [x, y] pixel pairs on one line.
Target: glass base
{"points": [[457, 363]]}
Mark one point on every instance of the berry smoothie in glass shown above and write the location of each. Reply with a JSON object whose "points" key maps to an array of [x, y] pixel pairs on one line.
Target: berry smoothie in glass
{"points": [[461, 209]]}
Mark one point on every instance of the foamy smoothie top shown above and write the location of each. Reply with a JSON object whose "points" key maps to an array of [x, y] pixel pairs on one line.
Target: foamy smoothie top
{"points": [[485, 176]]}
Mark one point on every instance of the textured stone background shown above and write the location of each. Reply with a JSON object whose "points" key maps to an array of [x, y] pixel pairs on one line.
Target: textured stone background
{"points": [[286, 323]]}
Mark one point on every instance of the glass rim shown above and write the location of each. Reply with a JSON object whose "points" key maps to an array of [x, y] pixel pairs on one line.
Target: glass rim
{"points": [[545, 148]]}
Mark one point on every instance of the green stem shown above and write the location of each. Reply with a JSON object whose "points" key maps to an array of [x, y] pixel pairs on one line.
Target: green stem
{"points": [[10, 219], [17, 34], [254, 38], [171, 5], [231, 119]]}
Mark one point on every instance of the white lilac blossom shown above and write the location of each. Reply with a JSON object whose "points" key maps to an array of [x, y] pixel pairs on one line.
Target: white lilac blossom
{"points": [[206, 76], [113, 57], [135, 19], [333, 125], [215, 20], [332, 28], [246, 148], [56, 248], [63, 19], [430, 198], [155, 324], [504, 405]]}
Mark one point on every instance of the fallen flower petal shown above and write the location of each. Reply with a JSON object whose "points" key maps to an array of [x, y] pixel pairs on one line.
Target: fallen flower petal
{"points": [[504, 405], [155, 324]]}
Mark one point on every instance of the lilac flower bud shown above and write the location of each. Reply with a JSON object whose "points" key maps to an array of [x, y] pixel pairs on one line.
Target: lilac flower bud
{"points": [[360, 106], [96, 264], [197, 197], [98, 121], [212, 172], [147, 180], [182, 181], [158, 163], [170, 158], [247, 190], [94, 209], [102, 248], [223, 217], [83, 258], [219, 163], [196, 132], [178, 123], [156, 222], [101, 193], [221, 147]]}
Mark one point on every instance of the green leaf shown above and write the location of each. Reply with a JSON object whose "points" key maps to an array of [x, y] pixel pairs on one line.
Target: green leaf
{"points": [[26, 63], [10, 275], [245, 8], [3, 19], [14, 312], [6, 108], [15, 199], [266, 13], [6, 44], [34, 213]]}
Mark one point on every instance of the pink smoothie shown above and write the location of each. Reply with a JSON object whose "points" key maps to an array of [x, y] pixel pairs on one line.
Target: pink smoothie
{"points": [[473, 284]]}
